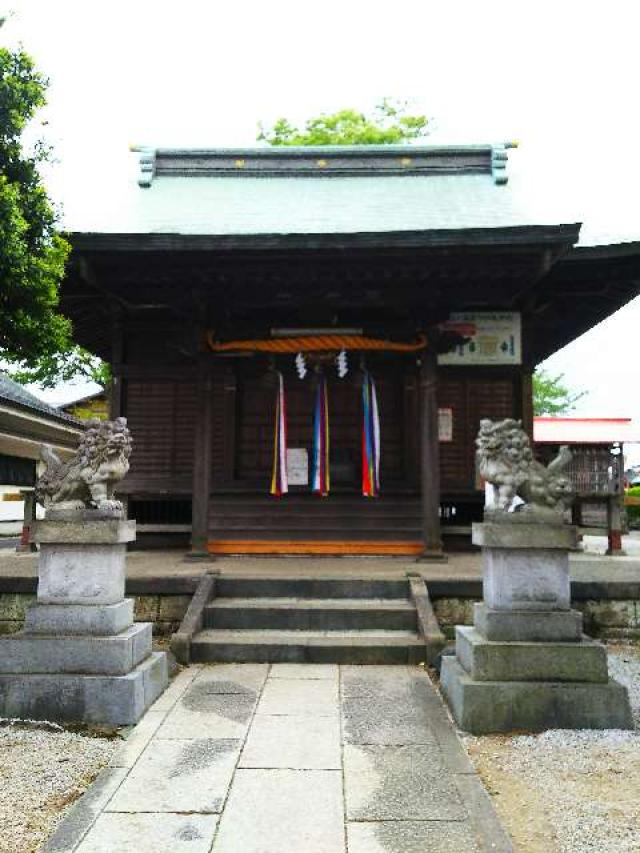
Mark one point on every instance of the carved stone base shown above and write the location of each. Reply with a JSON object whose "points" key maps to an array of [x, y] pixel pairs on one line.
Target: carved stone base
{"points": [[482, 707], [525, 664], [527, 579], [81, 657], [99, 619], [522, 625], [112, 700]]}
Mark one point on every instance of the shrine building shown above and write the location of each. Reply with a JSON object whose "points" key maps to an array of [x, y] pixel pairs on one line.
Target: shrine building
{"points": [[304, 340]]}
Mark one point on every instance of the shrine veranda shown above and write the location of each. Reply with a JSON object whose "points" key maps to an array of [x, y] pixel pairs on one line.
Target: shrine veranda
{"points": [[230, 253]]}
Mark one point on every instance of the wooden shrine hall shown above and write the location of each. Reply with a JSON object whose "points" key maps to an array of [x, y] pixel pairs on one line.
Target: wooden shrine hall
{"points": [[304, 340]]}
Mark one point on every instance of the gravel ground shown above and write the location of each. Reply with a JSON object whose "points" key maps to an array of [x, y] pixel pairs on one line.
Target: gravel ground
{"points": [[569, 791], [43, 771]]}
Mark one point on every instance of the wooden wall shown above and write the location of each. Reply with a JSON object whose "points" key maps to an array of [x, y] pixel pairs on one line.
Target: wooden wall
{"points": [[472, 395], [161, 416], [161, 408]]}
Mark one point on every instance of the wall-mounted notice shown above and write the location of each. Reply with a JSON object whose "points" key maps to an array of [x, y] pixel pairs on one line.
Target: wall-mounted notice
{"points": [[297, 466], [445, 424], [494, 338]]}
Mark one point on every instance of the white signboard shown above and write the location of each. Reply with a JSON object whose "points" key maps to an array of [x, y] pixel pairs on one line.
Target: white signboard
{"points": [[445, 424], [297, 466], [494, 338]]}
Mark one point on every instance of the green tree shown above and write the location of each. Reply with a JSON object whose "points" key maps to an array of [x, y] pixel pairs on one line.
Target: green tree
{"points": [[53, 368], [390, 124], [551, 396], [34, 336]]}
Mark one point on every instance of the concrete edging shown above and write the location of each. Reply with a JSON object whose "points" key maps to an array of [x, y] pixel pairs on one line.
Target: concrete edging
{"points": [[192, 621]]}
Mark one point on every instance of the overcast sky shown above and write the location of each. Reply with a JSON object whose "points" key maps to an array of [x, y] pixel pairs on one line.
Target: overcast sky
{"points": [[561, 77]]}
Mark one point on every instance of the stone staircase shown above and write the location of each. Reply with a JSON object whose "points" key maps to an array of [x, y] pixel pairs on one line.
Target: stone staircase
{"points": [[315, 620]]}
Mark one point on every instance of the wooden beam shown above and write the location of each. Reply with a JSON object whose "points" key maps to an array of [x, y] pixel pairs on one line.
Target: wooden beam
{"points": [[430, 451], [314, 546], [202, 456]]}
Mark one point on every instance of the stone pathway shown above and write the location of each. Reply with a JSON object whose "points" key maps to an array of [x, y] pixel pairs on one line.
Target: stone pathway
{"points": [[288, 758]]}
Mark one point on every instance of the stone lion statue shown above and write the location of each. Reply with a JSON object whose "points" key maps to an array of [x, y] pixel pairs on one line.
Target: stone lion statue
{"points": [[88, 479], [516, 480]]}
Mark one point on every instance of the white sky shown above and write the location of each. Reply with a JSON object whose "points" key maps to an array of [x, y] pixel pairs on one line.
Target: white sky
{"points": [[561, 77]]}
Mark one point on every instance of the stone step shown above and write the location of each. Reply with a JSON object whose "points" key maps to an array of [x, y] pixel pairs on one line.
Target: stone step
{"points": [[268, 646], [486, 660], [322, 614], [310, 587]]}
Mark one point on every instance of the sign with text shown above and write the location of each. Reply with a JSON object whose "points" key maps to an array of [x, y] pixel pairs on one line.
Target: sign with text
{"points": [[445, 424], [494, 337], [297, 466]]}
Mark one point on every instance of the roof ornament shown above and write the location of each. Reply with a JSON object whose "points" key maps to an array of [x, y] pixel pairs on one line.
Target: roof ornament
{"points": [[146, 162], [499, 159]]}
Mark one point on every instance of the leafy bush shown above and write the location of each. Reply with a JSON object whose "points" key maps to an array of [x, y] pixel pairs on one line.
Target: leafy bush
{"points": [[633, 512]]}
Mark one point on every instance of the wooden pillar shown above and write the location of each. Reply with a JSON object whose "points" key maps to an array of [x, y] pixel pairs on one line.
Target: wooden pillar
{"points": [[29, 516], [202, 457], [526, 391], [614, 505], [116, 390], [430, 452]]}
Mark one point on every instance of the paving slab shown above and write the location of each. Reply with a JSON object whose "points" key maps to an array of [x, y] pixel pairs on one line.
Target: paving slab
{"points": [[150, 833], [264, 759], [283, 811], [399, 783], [298, 743], [297, 697], [323, 671], [233, 677], [411, 837], [176, 688], [179, 776], [386, 705], [204, 712]]}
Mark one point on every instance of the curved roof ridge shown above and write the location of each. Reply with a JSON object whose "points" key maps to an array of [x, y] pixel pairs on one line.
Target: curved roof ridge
{"points": [[324, 161]]}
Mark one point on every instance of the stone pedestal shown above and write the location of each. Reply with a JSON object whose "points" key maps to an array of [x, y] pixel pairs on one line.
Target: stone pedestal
{"points": [[525, 664], [81, 657]]}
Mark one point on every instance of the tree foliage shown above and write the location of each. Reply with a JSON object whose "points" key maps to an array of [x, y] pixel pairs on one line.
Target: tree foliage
{"points": [[32, 254], [390, 124], [551, 396], [34, 336], [53, 368]]}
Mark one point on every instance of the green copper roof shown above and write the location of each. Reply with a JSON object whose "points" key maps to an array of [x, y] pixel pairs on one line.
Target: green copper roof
{"points": [[306, 191]]}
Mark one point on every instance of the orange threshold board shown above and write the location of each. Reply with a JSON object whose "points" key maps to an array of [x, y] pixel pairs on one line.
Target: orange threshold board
{"points": [[286, 546]]}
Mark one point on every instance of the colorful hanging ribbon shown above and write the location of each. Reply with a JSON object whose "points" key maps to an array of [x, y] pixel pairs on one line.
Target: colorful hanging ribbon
{"points": [[370, 438], [279, 481], [320, 469]]}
